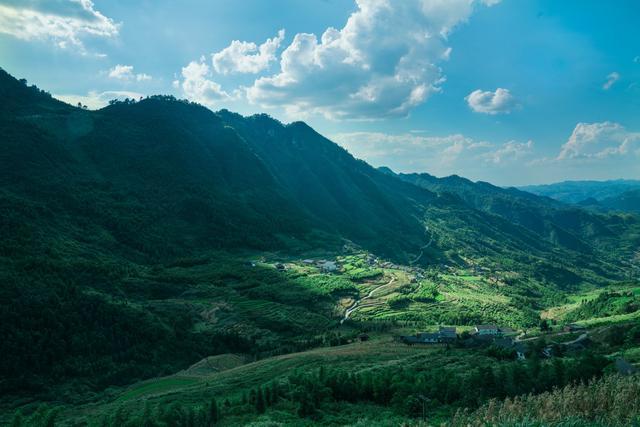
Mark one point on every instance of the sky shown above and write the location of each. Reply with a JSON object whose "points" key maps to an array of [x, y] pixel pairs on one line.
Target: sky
{"points": [[511, 92]]}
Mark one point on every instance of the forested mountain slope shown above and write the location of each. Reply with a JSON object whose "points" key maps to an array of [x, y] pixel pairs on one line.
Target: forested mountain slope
{"points": [[563, 225], [123, 228]]}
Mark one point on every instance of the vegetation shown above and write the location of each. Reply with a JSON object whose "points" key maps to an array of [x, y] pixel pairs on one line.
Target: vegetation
{"points": [[152, 273], [606, 304], [610, 401]]}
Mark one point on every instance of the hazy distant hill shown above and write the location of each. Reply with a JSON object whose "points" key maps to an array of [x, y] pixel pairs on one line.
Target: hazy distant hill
{"points": [[628, 201], [578, 191]]}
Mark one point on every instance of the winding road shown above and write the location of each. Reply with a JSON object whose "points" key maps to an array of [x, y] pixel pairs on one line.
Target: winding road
{"points": [[357, 303], [422, 248]]}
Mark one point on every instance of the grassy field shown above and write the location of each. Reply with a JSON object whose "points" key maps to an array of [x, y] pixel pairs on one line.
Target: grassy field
{"points": [[380, 351]]}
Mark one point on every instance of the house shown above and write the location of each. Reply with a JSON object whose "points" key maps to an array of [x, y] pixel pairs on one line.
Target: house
{"points": [[363, 337], [421, 338], [625, 368], [280, 266], [487, 330], [307, 261], [428, 338], [447, 333], [572, 327], [328, 267]]}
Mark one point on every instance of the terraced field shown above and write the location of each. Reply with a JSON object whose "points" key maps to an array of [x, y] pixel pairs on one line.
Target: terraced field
{"points": [[195, 386]]}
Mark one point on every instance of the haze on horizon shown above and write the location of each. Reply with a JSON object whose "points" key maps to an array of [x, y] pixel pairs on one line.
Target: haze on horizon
{"points": [[510, 92]]}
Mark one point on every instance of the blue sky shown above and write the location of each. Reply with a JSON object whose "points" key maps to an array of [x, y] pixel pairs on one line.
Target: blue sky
{"points": [[512, 92]]}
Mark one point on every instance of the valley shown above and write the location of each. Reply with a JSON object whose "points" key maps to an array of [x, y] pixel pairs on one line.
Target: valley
{"points": [[164, 264]]}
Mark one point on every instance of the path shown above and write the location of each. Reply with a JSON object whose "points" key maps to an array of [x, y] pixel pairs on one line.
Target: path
{"points": [[520, 338], [422, 248], [357, 303]]}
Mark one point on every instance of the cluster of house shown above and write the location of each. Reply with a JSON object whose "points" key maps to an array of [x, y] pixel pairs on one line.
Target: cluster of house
{"points": [[324, 265], [445, 334], [482, 334]]}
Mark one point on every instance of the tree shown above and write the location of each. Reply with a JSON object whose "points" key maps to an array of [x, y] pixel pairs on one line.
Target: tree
{"points": [[544, 325], [260, 404], [17, 420], [147, 417], [214, 412], [274, 393]]}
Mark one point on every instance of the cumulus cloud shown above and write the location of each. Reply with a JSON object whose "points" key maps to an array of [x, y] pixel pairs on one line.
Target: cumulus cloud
{"points": [[499, 102], [247, 57], [511, 150], [197, 85], [125, 73], [598, 141], [612, 78], [439, 155], [65, 23], [95, 100], [383, 62]]}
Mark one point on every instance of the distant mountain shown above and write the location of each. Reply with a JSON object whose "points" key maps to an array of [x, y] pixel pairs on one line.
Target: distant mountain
{"points": [[629, 201], [564, 225], [579, 191]]}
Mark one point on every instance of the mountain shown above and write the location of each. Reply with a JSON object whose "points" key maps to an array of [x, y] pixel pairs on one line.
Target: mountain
{"points": [[563, 225], [629, 201], [578, 191], [127, 233]]}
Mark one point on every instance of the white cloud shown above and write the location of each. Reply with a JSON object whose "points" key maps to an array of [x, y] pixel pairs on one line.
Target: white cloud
{"points": [[95, 100], [439, 155], [612, 78], [125, 73], [499, 102], [198, 87], [383, 62], [636, 59], [65, 23], [247, 57], [598, 141], [511, 150]]}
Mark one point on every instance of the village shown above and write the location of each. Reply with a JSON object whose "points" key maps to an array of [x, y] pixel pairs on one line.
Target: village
{"points": [[557, 340], [513, 344], [481, 336]]}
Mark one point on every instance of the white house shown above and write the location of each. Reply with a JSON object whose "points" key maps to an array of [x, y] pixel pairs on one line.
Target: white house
{"points": [[328, 267], [487, 330]]}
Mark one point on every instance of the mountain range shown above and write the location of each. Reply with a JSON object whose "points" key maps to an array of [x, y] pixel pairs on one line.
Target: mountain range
{"points": [[620, 195], [94, 204]]}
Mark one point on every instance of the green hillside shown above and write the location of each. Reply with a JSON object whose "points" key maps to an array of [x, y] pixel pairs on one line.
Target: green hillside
{"points": [[152, 236]]}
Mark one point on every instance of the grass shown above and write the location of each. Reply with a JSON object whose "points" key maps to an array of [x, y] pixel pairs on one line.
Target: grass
{"points": [[380, 351], [155, 387]]}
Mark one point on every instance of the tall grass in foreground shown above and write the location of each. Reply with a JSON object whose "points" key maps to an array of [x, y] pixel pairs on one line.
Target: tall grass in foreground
{"points": [[610, 401]]}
